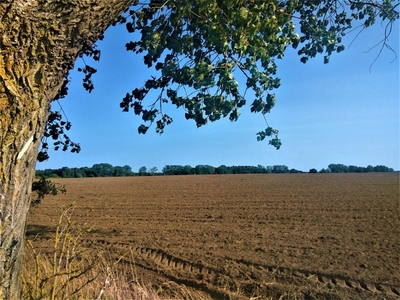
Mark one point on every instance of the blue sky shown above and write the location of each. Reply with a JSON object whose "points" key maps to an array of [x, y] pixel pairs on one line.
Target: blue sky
{"points": [[341, 112]]}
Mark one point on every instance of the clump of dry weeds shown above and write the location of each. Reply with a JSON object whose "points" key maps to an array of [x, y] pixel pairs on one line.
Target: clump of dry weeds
{"points": [[73, 271]]}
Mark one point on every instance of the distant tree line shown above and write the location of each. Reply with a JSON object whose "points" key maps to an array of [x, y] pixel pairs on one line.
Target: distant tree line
{"points": [[97, 170], [340, 168], [207, 169], [107, 170]]}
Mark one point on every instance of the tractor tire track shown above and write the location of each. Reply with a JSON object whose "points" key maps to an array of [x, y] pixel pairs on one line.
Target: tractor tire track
{"points": [[334, 280], [209, 279], [196, 275]]}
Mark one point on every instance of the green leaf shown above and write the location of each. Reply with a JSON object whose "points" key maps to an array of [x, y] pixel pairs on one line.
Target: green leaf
{"points": [[243, 12], [197, 48]]}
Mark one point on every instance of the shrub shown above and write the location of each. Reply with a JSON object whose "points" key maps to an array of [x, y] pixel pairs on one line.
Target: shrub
{"points": [[44, 187]]}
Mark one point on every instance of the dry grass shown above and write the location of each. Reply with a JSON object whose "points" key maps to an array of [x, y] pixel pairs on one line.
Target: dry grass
{"points": [[103, 279], [72, 271], [75, 272]]}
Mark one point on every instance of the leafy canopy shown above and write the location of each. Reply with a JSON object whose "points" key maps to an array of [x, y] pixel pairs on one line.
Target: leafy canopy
{"points": [[199, 48]]}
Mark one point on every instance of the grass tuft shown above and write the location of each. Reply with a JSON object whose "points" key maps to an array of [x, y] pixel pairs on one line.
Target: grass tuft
{"points": [[73, 271]]}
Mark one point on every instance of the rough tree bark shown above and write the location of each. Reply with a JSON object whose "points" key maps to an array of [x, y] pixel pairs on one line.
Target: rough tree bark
{"points": [[39, 42]]}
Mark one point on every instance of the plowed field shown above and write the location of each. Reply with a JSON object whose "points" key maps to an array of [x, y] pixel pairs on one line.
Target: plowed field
{"points": [[318, 236]]}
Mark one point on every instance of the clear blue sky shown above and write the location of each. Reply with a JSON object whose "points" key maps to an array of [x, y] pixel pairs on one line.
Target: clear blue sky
{"points": [[336, 113]]}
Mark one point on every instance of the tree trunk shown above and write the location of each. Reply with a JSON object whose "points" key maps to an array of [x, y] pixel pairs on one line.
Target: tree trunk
{"points": [[39, 42]]}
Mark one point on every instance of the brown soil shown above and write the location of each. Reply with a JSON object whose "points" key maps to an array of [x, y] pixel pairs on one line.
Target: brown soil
{"points": [[312, 236]]}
